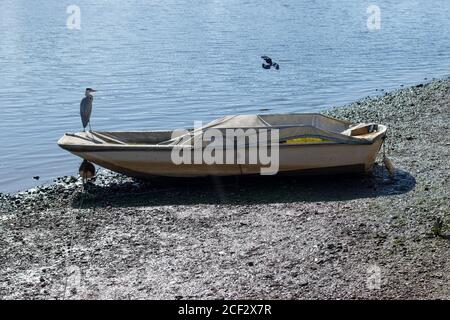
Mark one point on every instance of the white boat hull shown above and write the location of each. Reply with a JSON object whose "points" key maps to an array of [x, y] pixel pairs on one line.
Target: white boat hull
{"points": [[292, 159]]}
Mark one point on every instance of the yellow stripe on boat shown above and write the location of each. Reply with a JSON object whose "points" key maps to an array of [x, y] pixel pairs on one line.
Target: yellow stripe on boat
{"points": [[306, 140]]}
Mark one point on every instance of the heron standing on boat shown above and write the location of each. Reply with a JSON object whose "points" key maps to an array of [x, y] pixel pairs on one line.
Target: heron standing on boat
{"points": [[86, 108]]}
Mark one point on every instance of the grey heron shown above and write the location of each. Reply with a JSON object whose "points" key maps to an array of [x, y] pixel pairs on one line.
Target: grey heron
{"points": [[86, 108]]}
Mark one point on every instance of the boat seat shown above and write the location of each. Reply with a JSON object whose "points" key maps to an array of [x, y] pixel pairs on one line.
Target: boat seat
{"points": [[361, 129]]}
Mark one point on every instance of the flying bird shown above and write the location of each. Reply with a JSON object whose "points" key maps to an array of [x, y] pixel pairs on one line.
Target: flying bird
{"points": [[269, 63], [86, 108]]}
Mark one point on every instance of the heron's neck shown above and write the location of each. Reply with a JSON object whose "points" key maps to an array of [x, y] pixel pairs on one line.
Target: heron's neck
{"points": [[87, 94]]}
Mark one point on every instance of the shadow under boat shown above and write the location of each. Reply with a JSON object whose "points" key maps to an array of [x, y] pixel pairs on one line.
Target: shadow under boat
{"points": [[244, 190]]}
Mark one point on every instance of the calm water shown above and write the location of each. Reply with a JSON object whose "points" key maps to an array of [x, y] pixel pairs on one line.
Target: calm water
{"points": [[164, 64]]}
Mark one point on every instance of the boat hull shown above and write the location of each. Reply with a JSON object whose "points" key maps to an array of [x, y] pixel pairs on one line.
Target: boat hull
{"points": [[293, 159]]}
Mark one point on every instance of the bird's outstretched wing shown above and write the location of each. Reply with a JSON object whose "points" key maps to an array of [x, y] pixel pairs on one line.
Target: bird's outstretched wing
{"points": [[267, 60]]}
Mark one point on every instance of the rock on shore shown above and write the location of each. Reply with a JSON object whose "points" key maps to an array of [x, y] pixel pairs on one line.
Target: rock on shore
{"points": [[350, 237]]}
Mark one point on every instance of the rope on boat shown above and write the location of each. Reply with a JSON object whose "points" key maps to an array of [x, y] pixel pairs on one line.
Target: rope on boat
{"points": [[388, 163], [83, 194]]}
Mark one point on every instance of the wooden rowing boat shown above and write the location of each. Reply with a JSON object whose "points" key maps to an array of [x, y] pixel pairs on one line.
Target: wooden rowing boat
{"points": [[305, 143]]}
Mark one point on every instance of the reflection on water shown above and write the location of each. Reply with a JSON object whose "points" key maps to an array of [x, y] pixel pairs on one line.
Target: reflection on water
{"points": [[164, 64]]}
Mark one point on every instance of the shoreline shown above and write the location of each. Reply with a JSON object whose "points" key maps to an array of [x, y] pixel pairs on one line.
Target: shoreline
{"points": [[49, 181], [276, 238], [378, 93]]}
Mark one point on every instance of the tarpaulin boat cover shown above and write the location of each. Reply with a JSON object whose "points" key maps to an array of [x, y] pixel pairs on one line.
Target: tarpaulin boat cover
{"points": [[290, 127]]}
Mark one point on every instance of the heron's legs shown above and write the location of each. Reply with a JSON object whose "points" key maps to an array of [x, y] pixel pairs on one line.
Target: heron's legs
{"points": [[90, 130]]}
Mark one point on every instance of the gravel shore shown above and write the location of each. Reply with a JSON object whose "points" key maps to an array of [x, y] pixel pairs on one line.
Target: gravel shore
{"points": [[346, 237]]}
